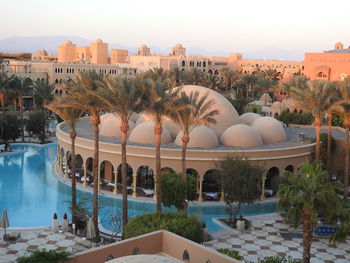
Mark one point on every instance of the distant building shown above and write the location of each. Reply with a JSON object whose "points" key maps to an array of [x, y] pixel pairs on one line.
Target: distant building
{"points": [[331, 65]]}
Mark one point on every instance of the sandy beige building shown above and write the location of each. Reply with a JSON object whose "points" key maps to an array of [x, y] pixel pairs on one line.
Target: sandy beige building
{"points": [[331, 65]]}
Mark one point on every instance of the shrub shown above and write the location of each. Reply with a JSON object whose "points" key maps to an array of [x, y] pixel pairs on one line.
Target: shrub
{"points": [[251, 107], [45, 256], [186, 226], [287, 117], [10, 127], [239, 104], [231, 253]]}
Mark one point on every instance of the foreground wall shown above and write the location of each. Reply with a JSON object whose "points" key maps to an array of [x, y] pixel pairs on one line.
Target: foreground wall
{"points": [[158, 242]]}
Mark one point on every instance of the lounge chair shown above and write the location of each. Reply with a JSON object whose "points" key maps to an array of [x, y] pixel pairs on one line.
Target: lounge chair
{"points": [[13, 236]]}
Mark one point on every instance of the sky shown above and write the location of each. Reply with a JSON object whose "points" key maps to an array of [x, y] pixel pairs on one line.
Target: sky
{"points": [[216, 25]]}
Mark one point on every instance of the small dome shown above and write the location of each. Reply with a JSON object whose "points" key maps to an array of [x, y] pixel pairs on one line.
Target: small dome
{"points": [[241, 135], [143, 46], [227, 116], [249, 117], [270, 130], [68, 42], [201, 137], [142, 118], [110, 126], [172, 127], [178, 45], [99, 41], [144, 134]]}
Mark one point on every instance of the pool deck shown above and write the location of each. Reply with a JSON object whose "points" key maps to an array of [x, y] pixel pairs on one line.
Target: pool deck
{"points": [[264, 239]]}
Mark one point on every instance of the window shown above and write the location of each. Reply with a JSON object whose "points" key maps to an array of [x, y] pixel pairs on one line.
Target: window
{"points": [[186, 256], [204, 64], [321, 75], [183, 63]]}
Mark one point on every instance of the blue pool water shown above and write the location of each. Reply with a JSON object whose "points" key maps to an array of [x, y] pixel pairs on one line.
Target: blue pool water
{"points": [[31, 194]]}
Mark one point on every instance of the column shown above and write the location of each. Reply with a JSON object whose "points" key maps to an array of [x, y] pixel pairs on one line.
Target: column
{"points": [[200, 198], [263, 178], [85, 172], [115, 190], [222, 199], [134, 182]]}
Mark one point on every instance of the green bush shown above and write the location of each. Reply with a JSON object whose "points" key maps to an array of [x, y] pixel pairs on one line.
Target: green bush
{"points": [[175, 191], [239, 104], [36, 123], [251, 107], [10, 127], [278, 259], [186, 226], [231, 253], [304, 118], [45, 256]]}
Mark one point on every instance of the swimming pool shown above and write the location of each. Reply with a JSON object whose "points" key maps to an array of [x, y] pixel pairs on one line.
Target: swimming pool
{"points": [[31, 194]]}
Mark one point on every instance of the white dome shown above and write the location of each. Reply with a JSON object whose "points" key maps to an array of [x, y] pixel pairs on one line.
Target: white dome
{"points": [[144, 134], [110, 126], [201, 137], [270, 129], [228, 115], [241, 135], [142, 118], [249, 117], [167, 123], [143, 258]]}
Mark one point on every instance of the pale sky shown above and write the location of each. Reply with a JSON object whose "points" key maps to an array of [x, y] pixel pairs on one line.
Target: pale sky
{"points": [[220, 25]]}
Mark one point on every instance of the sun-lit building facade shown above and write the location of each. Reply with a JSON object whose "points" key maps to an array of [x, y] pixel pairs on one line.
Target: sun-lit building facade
{"points": [[333, 65]]}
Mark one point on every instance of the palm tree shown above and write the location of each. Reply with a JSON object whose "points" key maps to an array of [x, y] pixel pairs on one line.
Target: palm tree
{"points": [[70, 115], [226, 74], [43, 93], [22, 85], [248, 81], [4, 82], [192, 111], [175, 76], [344, 103], [194, 76], [124, 96], [317, 98], [160, 104], [156, 74], [307, 193], [85, 94], [211, 81]]}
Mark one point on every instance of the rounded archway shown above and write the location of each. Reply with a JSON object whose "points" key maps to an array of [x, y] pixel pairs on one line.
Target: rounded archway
{"points": [[290, 168], [107, 172], [211, 185], [145, 181], [79, 167], [129, 178], [272, 181], [88, 167]]}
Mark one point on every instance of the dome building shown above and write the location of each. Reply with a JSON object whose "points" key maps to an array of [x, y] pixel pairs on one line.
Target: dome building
{"points": [[262, 140]]}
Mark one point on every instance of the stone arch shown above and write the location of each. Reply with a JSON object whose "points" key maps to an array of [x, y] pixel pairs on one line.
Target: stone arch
{"points": [[79, 166], [290, 168], [145, 180], [216, 72], [88, 167], [211, 185], [69, 162], [194, 173], [129, 173], [167, 170], [271, 181], [135, 251], [107, 171], [186, 256], [210, 71]]}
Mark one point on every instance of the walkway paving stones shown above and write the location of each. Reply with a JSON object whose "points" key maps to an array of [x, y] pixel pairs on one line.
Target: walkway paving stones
{"points": [[264, 240]]}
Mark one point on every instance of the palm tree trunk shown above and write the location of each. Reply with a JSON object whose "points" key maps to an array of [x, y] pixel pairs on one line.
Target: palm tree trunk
{"points": [[329, 144], [158, 133], [346, 170], [95, 120], [20, 103], [185, 139], [307, 236], [124, 129], [73, 135], [317, 124], [14, 101]]}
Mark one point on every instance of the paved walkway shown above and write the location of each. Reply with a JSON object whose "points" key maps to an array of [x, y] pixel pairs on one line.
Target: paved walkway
{"points": [[37, 239], [265, 240]]}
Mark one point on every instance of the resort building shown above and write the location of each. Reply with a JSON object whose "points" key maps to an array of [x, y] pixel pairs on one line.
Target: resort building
{"points": [[263, 140], [331, 65]]}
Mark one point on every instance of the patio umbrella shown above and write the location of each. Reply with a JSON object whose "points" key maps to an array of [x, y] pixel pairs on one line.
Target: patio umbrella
{"points": [[65, 225], [90, 229], [4, 222], [55, 222]]}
